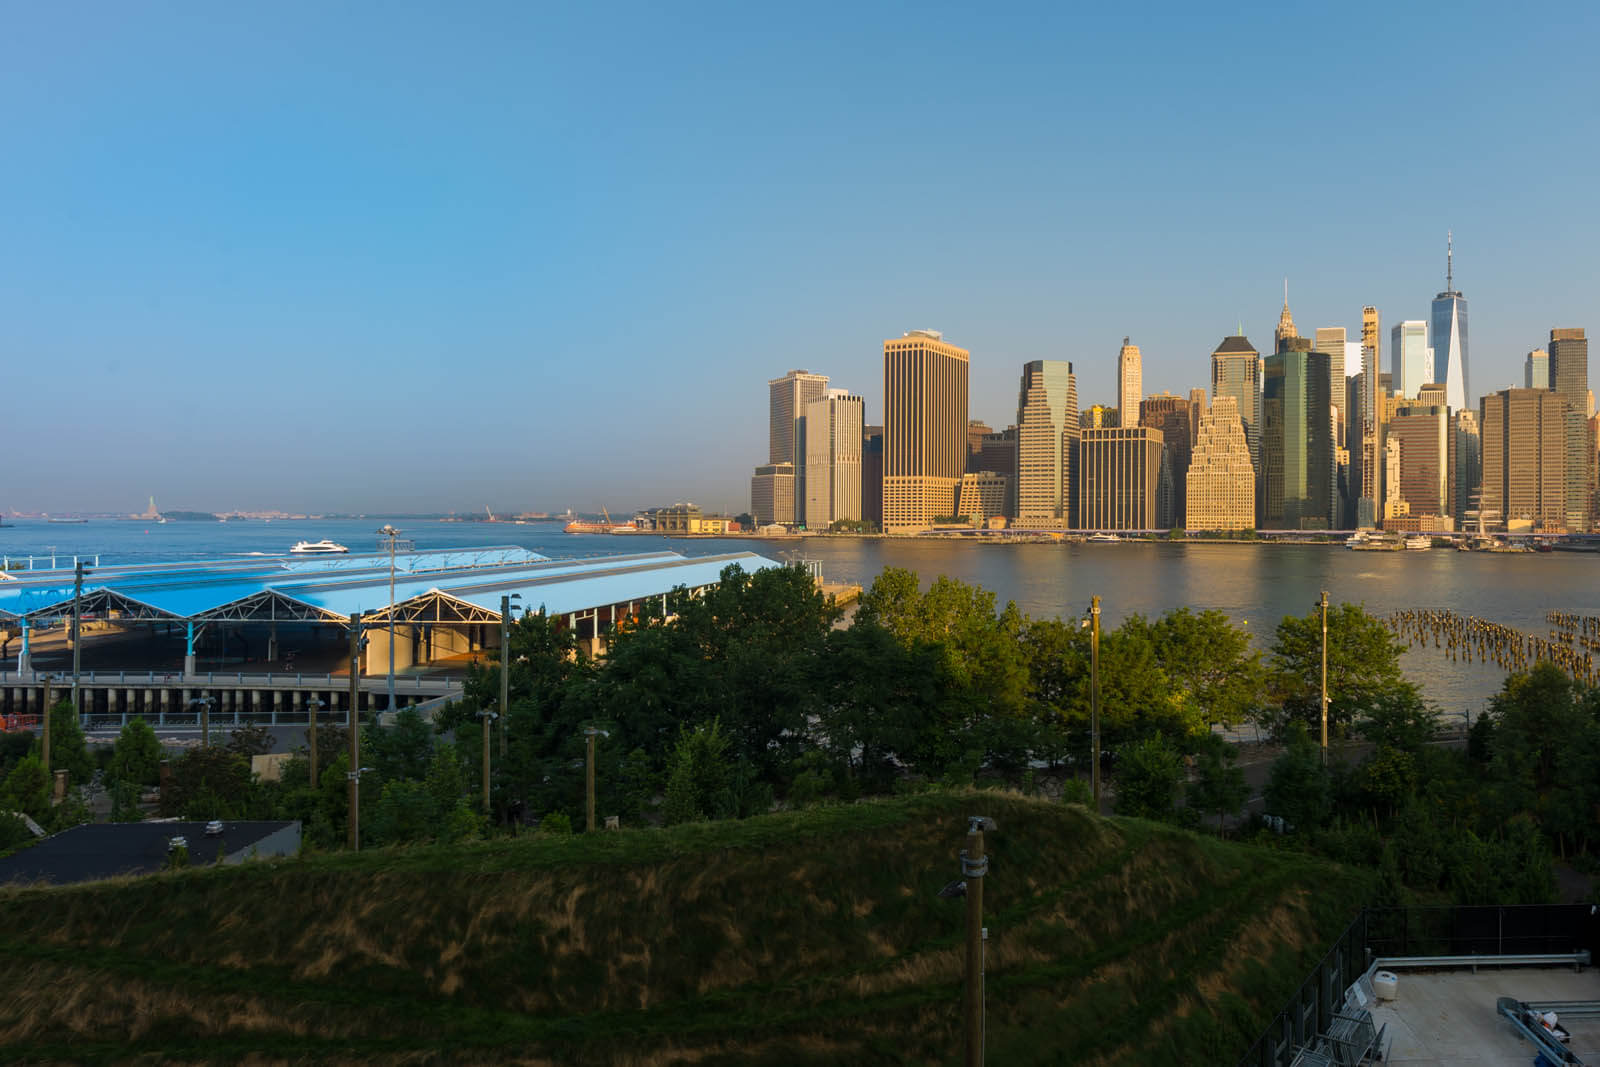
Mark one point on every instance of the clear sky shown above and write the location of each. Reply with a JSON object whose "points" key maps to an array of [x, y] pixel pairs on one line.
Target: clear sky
{"points": [[429, 256]]}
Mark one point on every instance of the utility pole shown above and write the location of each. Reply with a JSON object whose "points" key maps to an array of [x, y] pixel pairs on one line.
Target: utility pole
{"points": [[353, 775], [974, 865], [505, 668], [590, 733], [1094, 701], [1324, 605], [47, 694], [392, 534], [487, 716], [77, 616], [312, 707]]}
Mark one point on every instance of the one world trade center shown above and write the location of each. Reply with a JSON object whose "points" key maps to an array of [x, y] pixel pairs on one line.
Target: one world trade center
{"points": [[1449, 335]]}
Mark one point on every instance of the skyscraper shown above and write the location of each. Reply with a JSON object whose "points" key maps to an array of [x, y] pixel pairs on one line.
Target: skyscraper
{"points": [[832, 430], [1047, 435], [1569, 379], [1220, 485], [924, 428], [1369, 450], [1170, 415], [1536, 370], [1130, 383], [1423, 435], [1412, 364], [1466, 465], [787, 398], [1524, 459], [1119, 470], [1297, 440], [1236, 372], [1449, 337], [1285, 328], [1334, 341]]}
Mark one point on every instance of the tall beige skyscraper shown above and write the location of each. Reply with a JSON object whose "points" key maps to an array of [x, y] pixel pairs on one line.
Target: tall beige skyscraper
{"points": [[1047, 436], [1119, 469], [1422, 432], [1130, 383], [1285, 328], [1170, 415], [786, 399], [1332, 340], [924, 428], [831, 429], [1524, 459], [1221, 484]]}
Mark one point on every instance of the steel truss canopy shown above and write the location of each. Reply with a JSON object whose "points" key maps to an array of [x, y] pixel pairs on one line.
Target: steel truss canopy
{"points": [[448, 587]]}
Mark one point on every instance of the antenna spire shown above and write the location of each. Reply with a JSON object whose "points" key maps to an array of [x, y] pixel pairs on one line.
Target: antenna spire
{"points": [[1449, 262]]}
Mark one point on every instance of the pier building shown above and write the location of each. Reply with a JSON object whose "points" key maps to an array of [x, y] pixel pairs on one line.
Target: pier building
{"points": [[267, 636]]}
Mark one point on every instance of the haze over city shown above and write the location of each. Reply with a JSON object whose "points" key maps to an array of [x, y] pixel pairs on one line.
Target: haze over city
{"points": [[414, 260]]}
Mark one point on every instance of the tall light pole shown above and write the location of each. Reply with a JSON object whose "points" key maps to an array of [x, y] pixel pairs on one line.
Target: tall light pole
{"points": [[392, 535], [77, 617], [487, 716], [46, 739], [204, 704], [353, 774], [313, 706], [1093, 622], [505, 666], [1324, 605], [974, 865], [590, 733]]}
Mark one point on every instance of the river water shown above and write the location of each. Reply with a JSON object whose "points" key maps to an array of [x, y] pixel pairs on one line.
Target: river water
{"points": [[1254, 584]]}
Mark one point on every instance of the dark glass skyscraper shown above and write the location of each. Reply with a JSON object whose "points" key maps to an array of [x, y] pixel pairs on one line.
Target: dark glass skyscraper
{"points": [[1297, 458], [1449, 336]]}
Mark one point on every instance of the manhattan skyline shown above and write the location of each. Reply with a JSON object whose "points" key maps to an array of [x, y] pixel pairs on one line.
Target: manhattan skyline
{"points": [[245, 250]]}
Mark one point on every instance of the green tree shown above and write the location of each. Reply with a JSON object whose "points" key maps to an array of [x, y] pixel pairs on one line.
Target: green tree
{"points": [[405, 812], [27, 787], [1363, 666], [68, 751], [125, 801], [1148, 774], [698, 778], [400, 751], [208, 782], [1219, 784], [1299, 788], [1390, 777], [250, 741], [1399, 719], [1210, 660], [136, 757]]}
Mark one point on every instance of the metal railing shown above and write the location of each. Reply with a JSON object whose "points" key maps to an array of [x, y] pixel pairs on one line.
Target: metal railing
{"points": [[237, 679], [1457, 935]]}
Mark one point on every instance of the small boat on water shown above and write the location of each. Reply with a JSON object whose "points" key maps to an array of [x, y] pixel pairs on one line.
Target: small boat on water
{"points": [[1360, 537], [1103, 538], [1418, 543], [318, 548]]}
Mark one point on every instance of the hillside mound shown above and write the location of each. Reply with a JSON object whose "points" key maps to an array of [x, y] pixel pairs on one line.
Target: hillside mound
{"points": [[807, 937]]}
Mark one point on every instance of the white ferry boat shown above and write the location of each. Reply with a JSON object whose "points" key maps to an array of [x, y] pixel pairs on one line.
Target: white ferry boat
{"points": [[1103, 538], [317, 548], [1419, 543]]}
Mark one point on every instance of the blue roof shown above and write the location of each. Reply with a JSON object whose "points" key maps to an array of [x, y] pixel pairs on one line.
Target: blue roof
{"points": [[339, 586]]}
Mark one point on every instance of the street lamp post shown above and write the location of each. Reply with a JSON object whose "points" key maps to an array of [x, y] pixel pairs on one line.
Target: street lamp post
{"points": [[590, 733], [487, 716], [505, 666], [392, 535], [974, 866], [204, 704], [1323, 603], [77, 617], [313, 706], [46, 739], [1094, 700]]}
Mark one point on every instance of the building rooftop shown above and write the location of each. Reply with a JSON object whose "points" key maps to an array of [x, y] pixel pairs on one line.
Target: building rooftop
{"points": [[1449, 1019], [1235, 343], [106, 850]]}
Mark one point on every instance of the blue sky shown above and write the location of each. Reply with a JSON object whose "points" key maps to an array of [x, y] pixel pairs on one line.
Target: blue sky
{"points": [[548, 256]]}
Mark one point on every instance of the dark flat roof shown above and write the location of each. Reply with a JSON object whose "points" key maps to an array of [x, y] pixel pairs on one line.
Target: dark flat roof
{"points": [[105, 850]]}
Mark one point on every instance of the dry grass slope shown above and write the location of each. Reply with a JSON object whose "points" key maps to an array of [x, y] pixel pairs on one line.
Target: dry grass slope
{"points": [[809, 937]]}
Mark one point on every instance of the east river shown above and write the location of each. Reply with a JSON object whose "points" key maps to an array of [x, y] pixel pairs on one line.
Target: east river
{"points": [[1254, 584]]}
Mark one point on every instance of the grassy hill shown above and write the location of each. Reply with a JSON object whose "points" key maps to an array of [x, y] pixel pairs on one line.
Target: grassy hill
{"points": [[810, 937]]}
